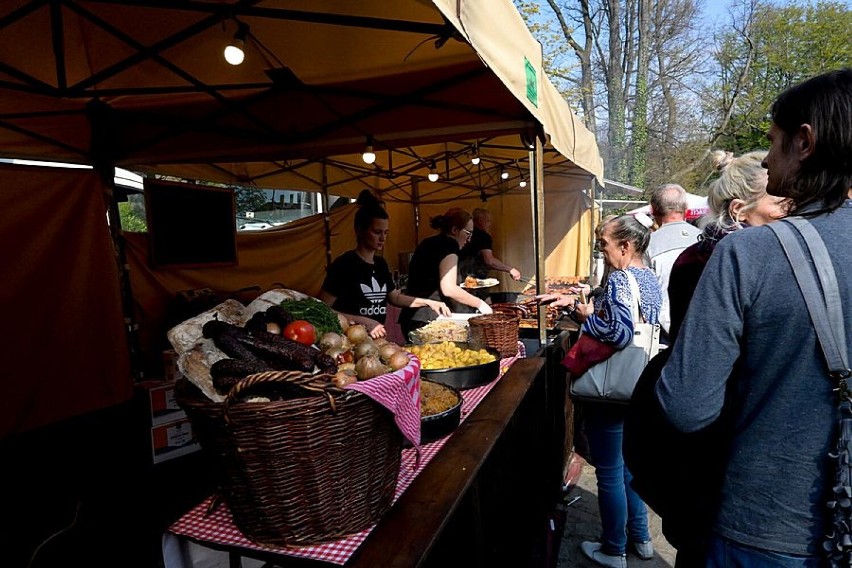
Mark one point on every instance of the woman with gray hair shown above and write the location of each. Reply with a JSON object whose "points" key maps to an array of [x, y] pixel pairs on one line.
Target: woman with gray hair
{"points": [[624, 517]]}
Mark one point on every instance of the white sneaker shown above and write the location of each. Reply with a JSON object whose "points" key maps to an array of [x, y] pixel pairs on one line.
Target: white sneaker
{"points": [[592, 550], [644, 550]]}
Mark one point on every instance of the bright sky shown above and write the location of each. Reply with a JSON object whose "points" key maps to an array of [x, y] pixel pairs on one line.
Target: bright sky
{"points": [[717, 10]]}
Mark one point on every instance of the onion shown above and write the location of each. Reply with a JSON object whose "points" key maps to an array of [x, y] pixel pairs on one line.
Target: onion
{"points": [[343, 378], [344, 321], [365, 348], [387, 350], [369, 367], [331, 340], [357, 333], [398, 360]]}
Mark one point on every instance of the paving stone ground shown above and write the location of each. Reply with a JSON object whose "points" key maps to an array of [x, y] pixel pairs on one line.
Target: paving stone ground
{"points": [[582, 522]]}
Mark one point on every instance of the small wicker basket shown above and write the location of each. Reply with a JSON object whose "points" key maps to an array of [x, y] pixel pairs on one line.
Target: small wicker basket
{"points": [[299, 471], [497, 330]]}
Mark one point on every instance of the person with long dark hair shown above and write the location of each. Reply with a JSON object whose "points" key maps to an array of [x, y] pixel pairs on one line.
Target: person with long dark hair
{"points": [[359, 283], [747, 338]]}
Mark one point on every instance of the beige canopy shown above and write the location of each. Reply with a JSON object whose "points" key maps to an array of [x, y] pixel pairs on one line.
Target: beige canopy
{"points": [[143, 85]]}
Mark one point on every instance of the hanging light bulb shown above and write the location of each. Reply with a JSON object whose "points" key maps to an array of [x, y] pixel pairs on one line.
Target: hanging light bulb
{"points": [[433, 174], [369, 156], [475, 159], [235, 51], [503, 173], [523, 182]]}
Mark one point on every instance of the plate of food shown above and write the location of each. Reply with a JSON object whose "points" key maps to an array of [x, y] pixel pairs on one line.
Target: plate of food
{"points": [[472, 283]]}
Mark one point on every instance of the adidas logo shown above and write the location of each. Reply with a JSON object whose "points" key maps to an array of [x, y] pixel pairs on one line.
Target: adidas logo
{"points": [[376, 295]]}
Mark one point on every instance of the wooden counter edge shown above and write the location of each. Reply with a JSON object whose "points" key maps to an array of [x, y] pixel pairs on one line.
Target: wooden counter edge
{"points": [[406, 533]]}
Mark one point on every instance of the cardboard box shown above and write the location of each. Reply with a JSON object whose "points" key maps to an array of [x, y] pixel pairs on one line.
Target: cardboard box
{"points": [[160, 396], [173, 439]]}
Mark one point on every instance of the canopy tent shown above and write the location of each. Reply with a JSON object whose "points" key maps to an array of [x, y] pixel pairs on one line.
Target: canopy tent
{"points": [[144, 86], [696, 206]]}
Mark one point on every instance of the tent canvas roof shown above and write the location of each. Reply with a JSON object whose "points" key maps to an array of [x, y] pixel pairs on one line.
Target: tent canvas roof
{"points": [[144, 85]]}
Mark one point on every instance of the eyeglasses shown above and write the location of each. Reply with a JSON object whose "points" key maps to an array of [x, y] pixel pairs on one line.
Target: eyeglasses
{"points": [[467, 233]]}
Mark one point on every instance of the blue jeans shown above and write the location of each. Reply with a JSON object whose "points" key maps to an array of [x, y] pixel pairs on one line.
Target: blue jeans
{"points": [[724, 553], [622, 511]]}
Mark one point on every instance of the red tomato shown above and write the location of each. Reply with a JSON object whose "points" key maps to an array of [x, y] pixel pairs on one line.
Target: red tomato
{"points": [[301, 331]]}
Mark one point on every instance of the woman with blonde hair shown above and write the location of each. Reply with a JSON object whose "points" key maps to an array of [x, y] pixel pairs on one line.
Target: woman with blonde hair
{"points": [[737, 199]]}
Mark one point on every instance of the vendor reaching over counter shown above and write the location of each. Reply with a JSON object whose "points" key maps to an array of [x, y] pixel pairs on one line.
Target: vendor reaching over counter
{"points": [[433, 271], [359, 283]]}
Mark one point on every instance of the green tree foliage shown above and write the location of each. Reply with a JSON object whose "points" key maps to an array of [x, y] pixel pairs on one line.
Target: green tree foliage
{"points": [[132, 217], [250, 199], [791, 43]]}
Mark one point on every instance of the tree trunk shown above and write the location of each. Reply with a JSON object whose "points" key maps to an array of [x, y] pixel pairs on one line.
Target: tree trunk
{"points": [[584, 56], [639, 145], [615, 92]]}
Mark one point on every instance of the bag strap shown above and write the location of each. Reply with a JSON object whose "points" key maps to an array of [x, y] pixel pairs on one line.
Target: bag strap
{"points": [[635, 297], [825, 310]]}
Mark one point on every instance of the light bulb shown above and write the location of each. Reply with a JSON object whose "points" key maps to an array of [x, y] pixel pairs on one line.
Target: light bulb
{"points": [[504, 174], [475, 160], [433, 173], [523, 183], [234, 53], [369, 156]]}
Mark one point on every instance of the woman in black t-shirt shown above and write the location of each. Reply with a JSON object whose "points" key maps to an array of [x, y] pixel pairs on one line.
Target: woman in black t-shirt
{"points": [[433, 270], [359, 283]]}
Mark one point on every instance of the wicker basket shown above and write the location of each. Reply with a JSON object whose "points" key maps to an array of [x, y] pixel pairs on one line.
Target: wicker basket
{"points": [[297, 472], [499, 331]]}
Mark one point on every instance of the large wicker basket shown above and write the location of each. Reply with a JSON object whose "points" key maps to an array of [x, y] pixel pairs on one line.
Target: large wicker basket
{"points": [[499, 331], [299, 471]]}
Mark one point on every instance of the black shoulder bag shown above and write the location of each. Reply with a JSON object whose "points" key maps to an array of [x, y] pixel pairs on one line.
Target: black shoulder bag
{"points": [[826, 313]]}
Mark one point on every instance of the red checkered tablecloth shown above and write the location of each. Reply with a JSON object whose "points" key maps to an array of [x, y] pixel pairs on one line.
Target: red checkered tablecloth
{"points": [[218, 527]]}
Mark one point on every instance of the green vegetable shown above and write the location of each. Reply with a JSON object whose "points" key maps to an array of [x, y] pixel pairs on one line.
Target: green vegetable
{"points": [[323, 318]]}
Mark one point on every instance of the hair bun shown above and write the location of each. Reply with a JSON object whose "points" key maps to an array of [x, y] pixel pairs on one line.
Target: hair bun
{"points": [[721, 159], [367, 199]]}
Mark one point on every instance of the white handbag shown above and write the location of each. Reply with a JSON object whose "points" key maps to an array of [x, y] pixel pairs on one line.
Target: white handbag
{"points": [[613, 380]]}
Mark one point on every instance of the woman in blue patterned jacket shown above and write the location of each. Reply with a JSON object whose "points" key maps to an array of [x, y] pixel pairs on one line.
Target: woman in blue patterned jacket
{"points": [[623, 514]]}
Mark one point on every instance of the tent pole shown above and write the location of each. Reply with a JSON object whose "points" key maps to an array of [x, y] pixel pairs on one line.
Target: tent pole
{"points": [[103, 163], [592, 224], [536, 159], [325, 215]]}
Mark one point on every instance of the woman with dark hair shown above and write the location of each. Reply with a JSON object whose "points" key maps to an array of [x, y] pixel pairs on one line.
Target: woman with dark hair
{"points": [[359, 283], [624, 517], [747, 344], [433, 270]]}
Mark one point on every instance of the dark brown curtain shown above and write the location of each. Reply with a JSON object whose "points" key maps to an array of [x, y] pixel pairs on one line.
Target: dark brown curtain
{"points": [[63, 350]]}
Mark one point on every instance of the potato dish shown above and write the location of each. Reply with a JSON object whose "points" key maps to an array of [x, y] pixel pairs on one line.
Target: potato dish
{"points": [[448, 355]]}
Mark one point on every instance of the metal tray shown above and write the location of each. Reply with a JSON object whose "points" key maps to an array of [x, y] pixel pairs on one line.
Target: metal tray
{"points": [[466, 377]]}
